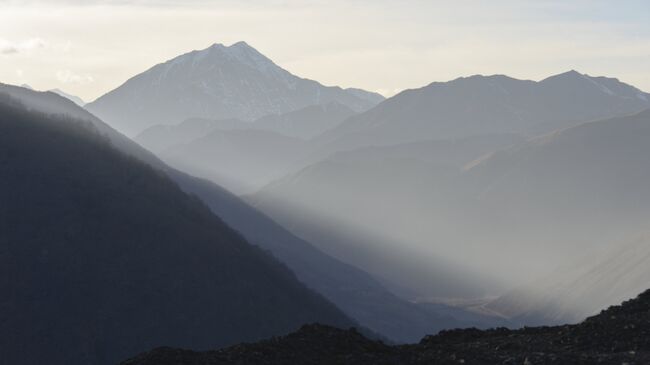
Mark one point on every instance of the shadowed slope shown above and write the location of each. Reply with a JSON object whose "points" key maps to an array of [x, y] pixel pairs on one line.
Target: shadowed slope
{"points": [[102, 256]]}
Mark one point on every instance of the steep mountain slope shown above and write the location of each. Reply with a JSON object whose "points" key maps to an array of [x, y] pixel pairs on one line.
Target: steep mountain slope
{"points": [[242, 156], [160, 138], [351, 289], [354, 291], [102, 256], [573, 293], [239, 160], [219, 82], [388, 194], [75, 99], [543, 202], [588, 182], [487, 104], [618, 335]]}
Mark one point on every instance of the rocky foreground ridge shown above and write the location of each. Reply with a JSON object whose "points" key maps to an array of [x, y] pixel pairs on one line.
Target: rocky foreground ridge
{"points": [[618, 335]]}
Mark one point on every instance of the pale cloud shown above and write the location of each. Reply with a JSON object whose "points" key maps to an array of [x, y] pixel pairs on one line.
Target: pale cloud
{"points": [[69, 77], [9, 47]]}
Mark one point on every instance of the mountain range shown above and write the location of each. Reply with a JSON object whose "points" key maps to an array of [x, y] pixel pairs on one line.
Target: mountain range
{"points": [[486, 105], [243, 156], [219, 82], [358, 294], [251, 201], [586, 182]]}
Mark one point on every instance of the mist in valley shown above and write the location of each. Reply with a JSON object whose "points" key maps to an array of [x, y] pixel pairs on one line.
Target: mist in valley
{"points": [[219, 196]]}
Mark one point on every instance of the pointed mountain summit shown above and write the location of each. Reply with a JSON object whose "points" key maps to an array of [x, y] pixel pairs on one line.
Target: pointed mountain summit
{"points": [[218, 82]]}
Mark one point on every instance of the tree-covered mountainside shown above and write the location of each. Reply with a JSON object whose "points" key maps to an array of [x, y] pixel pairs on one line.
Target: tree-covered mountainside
{"points": [[102, 256], [618, 335]]}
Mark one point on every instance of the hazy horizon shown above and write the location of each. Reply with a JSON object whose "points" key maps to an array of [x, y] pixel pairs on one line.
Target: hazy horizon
{"points": [[383, 46]]}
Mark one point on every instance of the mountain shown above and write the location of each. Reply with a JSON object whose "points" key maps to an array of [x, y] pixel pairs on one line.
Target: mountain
{"points": [[357, 293], [161, 137], [103, 256], [487, 105], [242, 156], [579, 290], [220, 82], [307, 122], [587, 182], [374, 98], [524, 208], [239, 160], [302, 123], [388, 194], [77, 100], [618, 335]]}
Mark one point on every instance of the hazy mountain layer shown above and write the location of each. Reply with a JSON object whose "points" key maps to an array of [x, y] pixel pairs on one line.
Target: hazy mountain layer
{"points": [[101, 256], [75, 99], [219, 82], [354, 291], [485, 105], [239, 160], [618, 335], [306, 123], [388, 195], [525, 209], [579, 290], [160, 138], [242, 156]]}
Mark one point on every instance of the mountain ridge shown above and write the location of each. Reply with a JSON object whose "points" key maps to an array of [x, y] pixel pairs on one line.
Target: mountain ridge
{"points": [[356, 292], [218, 82], [480, 104]]}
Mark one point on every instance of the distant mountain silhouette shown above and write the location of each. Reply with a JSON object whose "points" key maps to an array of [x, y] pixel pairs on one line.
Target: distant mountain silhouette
{"points": [[220, 82], [103, 256], [307, 122], [77, 100], [485, 105], [242, 156], [618, 335], [159, 138], [240, 160]]}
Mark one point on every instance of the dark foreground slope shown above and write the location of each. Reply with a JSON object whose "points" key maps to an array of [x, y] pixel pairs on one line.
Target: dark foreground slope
{"points": [[619, 335], [102, 256], [354, 291]]}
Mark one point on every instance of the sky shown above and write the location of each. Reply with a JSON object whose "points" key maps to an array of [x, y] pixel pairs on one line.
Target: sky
{"points": [[89, 47]]}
